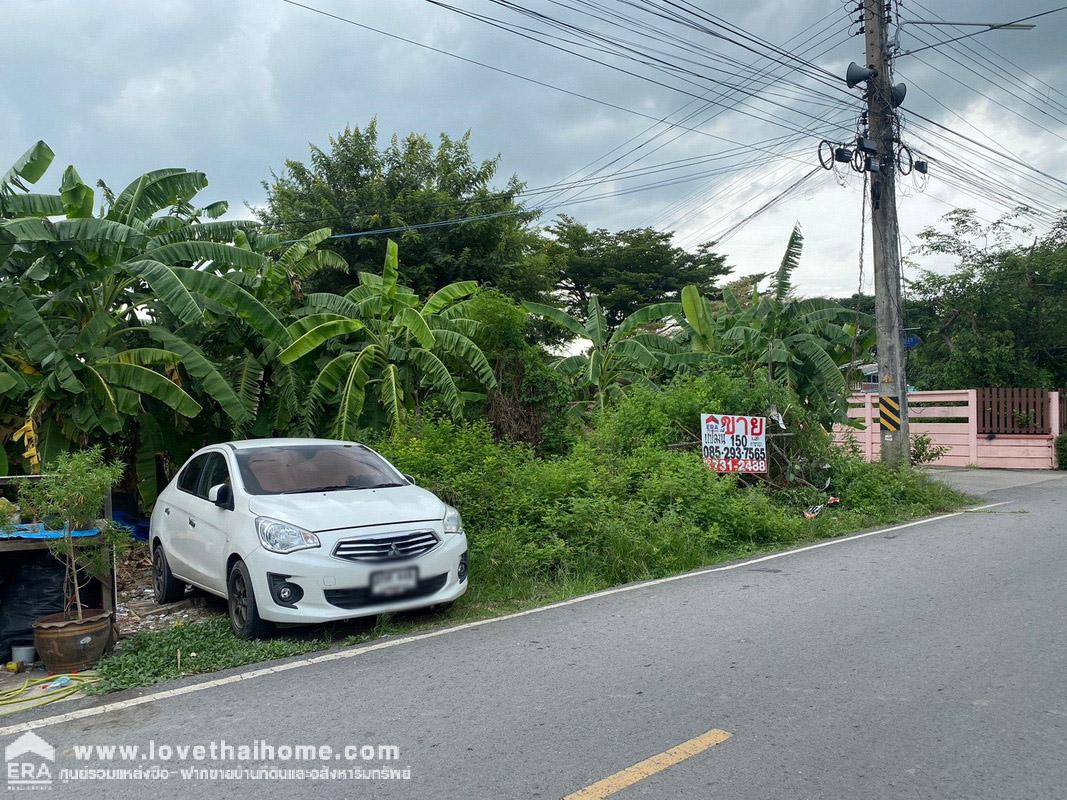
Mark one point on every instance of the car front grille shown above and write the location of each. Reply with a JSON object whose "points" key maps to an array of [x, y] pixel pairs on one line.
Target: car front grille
{"points": [[387, 547], [358, 598]]}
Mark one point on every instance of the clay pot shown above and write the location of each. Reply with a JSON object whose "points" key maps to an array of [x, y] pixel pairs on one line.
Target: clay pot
{"points": [[68, 644]]}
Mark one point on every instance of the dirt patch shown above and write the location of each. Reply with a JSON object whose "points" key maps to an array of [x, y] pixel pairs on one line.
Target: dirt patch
{"points": [[137, 611]]}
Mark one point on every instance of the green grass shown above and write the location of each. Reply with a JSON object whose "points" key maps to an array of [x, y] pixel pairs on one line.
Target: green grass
{"points": [[631, 500], [150, 657]]}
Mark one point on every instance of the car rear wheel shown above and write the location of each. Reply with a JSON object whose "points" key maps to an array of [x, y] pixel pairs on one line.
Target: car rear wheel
{"points": [[166, 588], [244, 613]]}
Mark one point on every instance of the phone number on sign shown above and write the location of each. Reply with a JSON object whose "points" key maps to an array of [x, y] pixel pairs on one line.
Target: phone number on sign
{"points": [[736, 465]]}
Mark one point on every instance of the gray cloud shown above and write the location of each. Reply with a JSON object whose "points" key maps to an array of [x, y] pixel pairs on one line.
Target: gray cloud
{"points": [[118, 87]]}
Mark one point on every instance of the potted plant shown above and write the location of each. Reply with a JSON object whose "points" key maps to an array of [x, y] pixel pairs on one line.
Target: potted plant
{"points": [[68, 499]]}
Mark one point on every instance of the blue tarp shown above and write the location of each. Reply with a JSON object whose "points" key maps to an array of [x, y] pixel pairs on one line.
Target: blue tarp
{"points": [[36, 530], [137, 526]]}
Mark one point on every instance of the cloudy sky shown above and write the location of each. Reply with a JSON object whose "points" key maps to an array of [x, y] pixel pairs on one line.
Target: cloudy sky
{"points": [[118, 87]]}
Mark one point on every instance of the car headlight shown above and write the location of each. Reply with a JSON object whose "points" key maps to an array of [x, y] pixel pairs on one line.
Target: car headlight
{"points": [[453, 521], [281, 537]]}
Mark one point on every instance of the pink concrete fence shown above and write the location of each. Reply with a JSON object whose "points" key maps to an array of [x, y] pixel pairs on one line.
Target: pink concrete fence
{"points": [[950, 419]]}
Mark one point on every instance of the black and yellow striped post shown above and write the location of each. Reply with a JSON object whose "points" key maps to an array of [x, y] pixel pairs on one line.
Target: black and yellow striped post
{"points": [[889, 412]]}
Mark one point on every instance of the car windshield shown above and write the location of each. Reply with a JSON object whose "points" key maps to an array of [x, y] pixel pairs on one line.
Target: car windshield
{"points": [[295, 469]]}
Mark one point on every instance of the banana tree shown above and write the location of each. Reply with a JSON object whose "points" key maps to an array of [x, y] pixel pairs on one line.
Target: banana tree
{"points": [[382, 340], [615, 360], [113, 322], [803, 343]]}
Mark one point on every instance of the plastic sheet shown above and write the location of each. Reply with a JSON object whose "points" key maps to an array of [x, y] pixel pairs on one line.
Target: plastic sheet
{"points": [[33, 588]]}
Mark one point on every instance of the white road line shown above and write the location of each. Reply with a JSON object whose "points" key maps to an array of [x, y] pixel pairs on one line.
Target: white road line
{"points": [[340, 655]]}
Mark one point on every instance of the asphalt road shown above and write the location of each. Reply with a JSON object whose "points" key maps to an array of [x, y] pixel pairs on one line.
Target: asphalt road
{"points": [[924, 662]]}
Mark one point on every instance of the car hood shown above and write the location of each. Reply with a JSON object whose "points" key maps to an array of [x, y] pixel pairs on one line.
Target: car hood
{"points": [[354, 508]]}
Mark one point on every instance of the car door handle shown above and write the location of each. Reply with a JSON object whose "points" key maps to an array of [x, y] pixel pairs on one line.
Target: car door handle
{"points": [[166, 511], [192, 522]]}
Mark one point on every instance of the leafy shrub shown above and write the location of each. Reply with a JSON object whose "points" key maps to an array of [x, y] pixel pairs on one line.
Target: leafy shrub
{"points": [[69, 496], [622, 505], [626, 504], [670, 417], [1061, 451], [924, 451]]}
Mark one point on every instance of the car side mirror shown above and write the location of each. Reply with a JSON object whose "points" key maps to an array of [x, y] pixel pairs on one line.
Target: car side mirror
{"points": [[221, 495], [411, 479]]}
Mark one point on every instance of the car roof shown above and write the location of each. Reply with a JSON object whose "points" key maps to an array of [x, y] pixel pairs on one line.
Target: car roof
{"points": [[251, 444]]}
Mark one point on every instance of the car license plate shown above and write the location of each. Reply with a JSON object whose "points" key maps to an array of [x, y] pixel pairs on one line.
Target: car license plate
{"points": [[394, 581]]}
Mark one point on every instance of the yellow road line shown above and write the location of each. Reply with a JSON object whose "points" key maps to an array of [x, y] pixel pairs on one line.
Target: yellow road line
{"points": [[650, 766]]}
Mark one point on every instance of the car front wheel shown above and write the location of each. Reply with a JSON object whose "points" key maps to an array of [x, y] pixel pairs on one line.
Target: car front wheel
{"points": [[244, 614], [166, 588]]}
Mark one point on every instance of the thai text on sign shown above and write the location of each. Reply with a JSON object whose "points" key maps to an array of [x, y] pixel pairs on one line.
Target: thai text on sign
{"points": [[732, 443]]}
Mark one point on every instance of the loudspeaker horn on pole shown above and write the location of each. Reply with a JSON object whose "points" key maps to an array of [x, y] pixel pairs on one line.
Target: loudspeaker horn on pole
{"points": [[896, 94], [856, 74]]}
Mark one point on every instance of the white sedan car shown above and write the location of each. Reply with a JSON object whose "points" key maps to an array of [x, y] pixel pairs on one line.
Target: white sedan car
{"points": [[304, 530]]}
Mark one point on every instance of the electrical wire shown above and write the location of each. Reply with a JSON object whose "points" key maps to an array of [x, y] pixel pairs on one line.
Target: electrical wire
{"points": [[583, 183], [983, 166], [648, 140], [681, 203], [1001, 104], [995, 151], [985, 30], [535, 81], [706, 18], [728, 234], [975, 62], [973, 47], [522, 211], [629, 72]]}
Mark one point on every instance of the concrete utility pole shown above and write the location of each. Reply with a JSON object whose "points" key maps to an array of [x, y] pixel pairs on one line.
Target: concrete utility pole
{"points": [[882, 121]]}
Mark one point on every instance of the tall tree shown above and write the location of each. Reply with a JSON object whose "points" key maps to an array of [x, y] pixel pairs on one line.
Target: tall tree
{"points": [[627, 269], [1000, 317], [356, 185]]}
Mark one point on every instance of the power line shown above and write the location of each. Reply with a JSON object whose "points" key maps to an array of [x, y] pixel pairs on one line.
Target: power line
{"points": [[1029, 187], [682, 210], [676, 42], [999, 103], [629, 72], [704, 232], [980, 44], [979, 63], [582, 183], [996, 152], [766, 206], [530, 211], [680, 203], [503, 71], [1043, 185], [759, 76], [808, 67], [985, 30]]}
